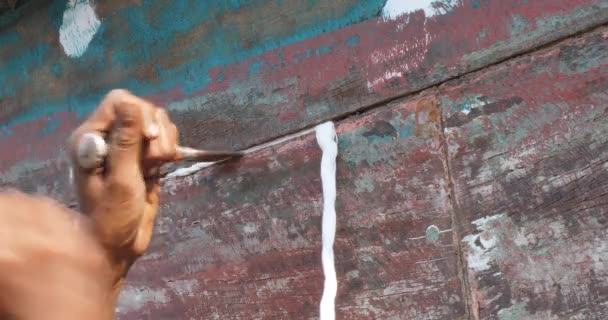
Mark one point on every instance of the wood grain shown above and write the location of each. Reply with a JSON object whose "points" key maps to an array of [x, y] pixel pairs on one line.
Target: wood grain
{"points": [[233, 77], [242, 240], [528, 163]]}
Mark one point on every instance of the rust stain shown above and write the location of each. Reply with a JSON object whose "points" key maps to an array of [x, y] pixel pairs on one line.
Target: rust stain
{"points": [[428, 117]]}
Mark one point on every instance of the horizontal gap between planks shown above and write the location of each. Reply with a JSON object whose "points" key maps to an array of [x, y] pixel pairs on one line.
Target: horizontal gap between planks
{"points": [[371, 107]]}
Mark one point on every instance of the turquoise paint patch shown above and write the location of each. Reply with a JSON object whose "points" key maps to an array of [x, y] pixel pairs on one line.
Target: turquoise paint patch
{"points": [[56, 69], [577, 59], [405, 128], [15, 72], [95, 55], [470, 102], [365, 146], [9, 17], [55, 13], [220, 77], [81, 106], [150, 32], [475, 4], [517, 311], [441, 7], [51, 125], [5, 132], [322, 50], [518, 25], [364, 184], [255, 67], [353, 41], [8, 37], [432, 233], [379, 139]]}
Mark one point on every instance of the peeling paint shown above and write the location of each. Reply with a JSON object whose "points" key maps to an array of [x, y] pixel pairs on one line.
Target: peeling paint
{"points": [[134, 298], [373, 145], [184, 288], [396, 8], [432, 233], [515, 312], [79, 26], [364, 184], [481, 245], [472, 102]]}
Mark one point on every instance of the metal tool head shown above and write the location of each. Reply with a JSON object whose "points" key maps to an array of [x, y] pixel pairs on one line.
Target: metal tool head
{"points": [[92, 150], [185, 153]]}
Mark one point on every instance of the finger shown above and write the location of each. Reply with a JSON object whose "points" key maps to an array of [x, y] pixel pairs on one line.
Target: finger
{"points": [[146, 226], [51, 247], [89, 181], [164, 148], [102, 120], [134, 122], [118, 214]]}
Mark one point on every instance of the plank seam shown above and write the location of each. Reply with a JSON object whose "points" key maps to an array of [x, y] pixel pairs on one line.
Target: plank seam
{"points": [[370, 108], [455, 214], [531, 50]]}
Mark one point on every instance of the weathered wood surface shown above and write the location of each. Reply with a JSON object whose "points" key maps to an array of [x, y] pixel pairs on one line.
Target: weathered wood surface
{"points": [[236, 75], [242, 240], [524, 142], [528, 152]]}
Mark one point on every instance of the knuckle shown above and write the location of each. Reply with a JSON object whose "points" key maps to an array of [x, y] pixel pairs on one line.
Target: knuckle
{"points": [[162, 113], [129, 114], [118, 95], [127, 137]]}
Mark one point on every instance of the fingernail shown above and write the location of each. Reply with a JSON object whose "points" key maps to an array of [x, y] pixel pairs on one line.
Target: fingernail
{"points": [[153, 130]]}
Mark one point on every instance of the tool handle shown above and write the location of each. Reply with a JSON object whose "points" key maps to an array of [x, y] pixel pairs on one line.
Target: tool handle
{"points": [[92, 150]]}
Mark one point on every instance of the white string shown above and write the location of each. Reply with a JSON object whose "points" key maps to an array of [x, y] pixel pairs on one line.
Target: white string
{"points": [[326, 138]]}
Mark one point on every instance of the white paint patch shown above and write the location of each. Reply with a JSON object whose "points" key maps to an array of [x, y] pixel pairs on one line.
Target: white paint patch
{"points": [[473, 102], [478, 258], [250, 228], [183, 172], [326, 138], [135, 298], [520, 239], [184, 288], [402, 57], [388, 76], [79, 26], [393, 9]]}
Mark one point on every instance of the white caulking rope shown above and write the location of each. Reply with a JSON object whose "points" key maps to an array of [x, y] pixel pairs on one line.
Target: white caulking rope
{"points": [[326, 138]]}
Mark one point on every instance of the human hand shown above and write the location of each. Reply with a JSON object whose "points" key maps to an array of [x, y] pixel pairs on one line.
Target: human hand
{"points": [[122, 195], [51, 265]]}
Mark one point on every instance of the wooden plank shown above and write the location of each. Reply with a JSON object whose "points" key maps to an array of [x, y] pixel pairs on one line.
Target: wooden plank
{"points": [[44, 94], [528, 153], [233, 84], [242, 240]]}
